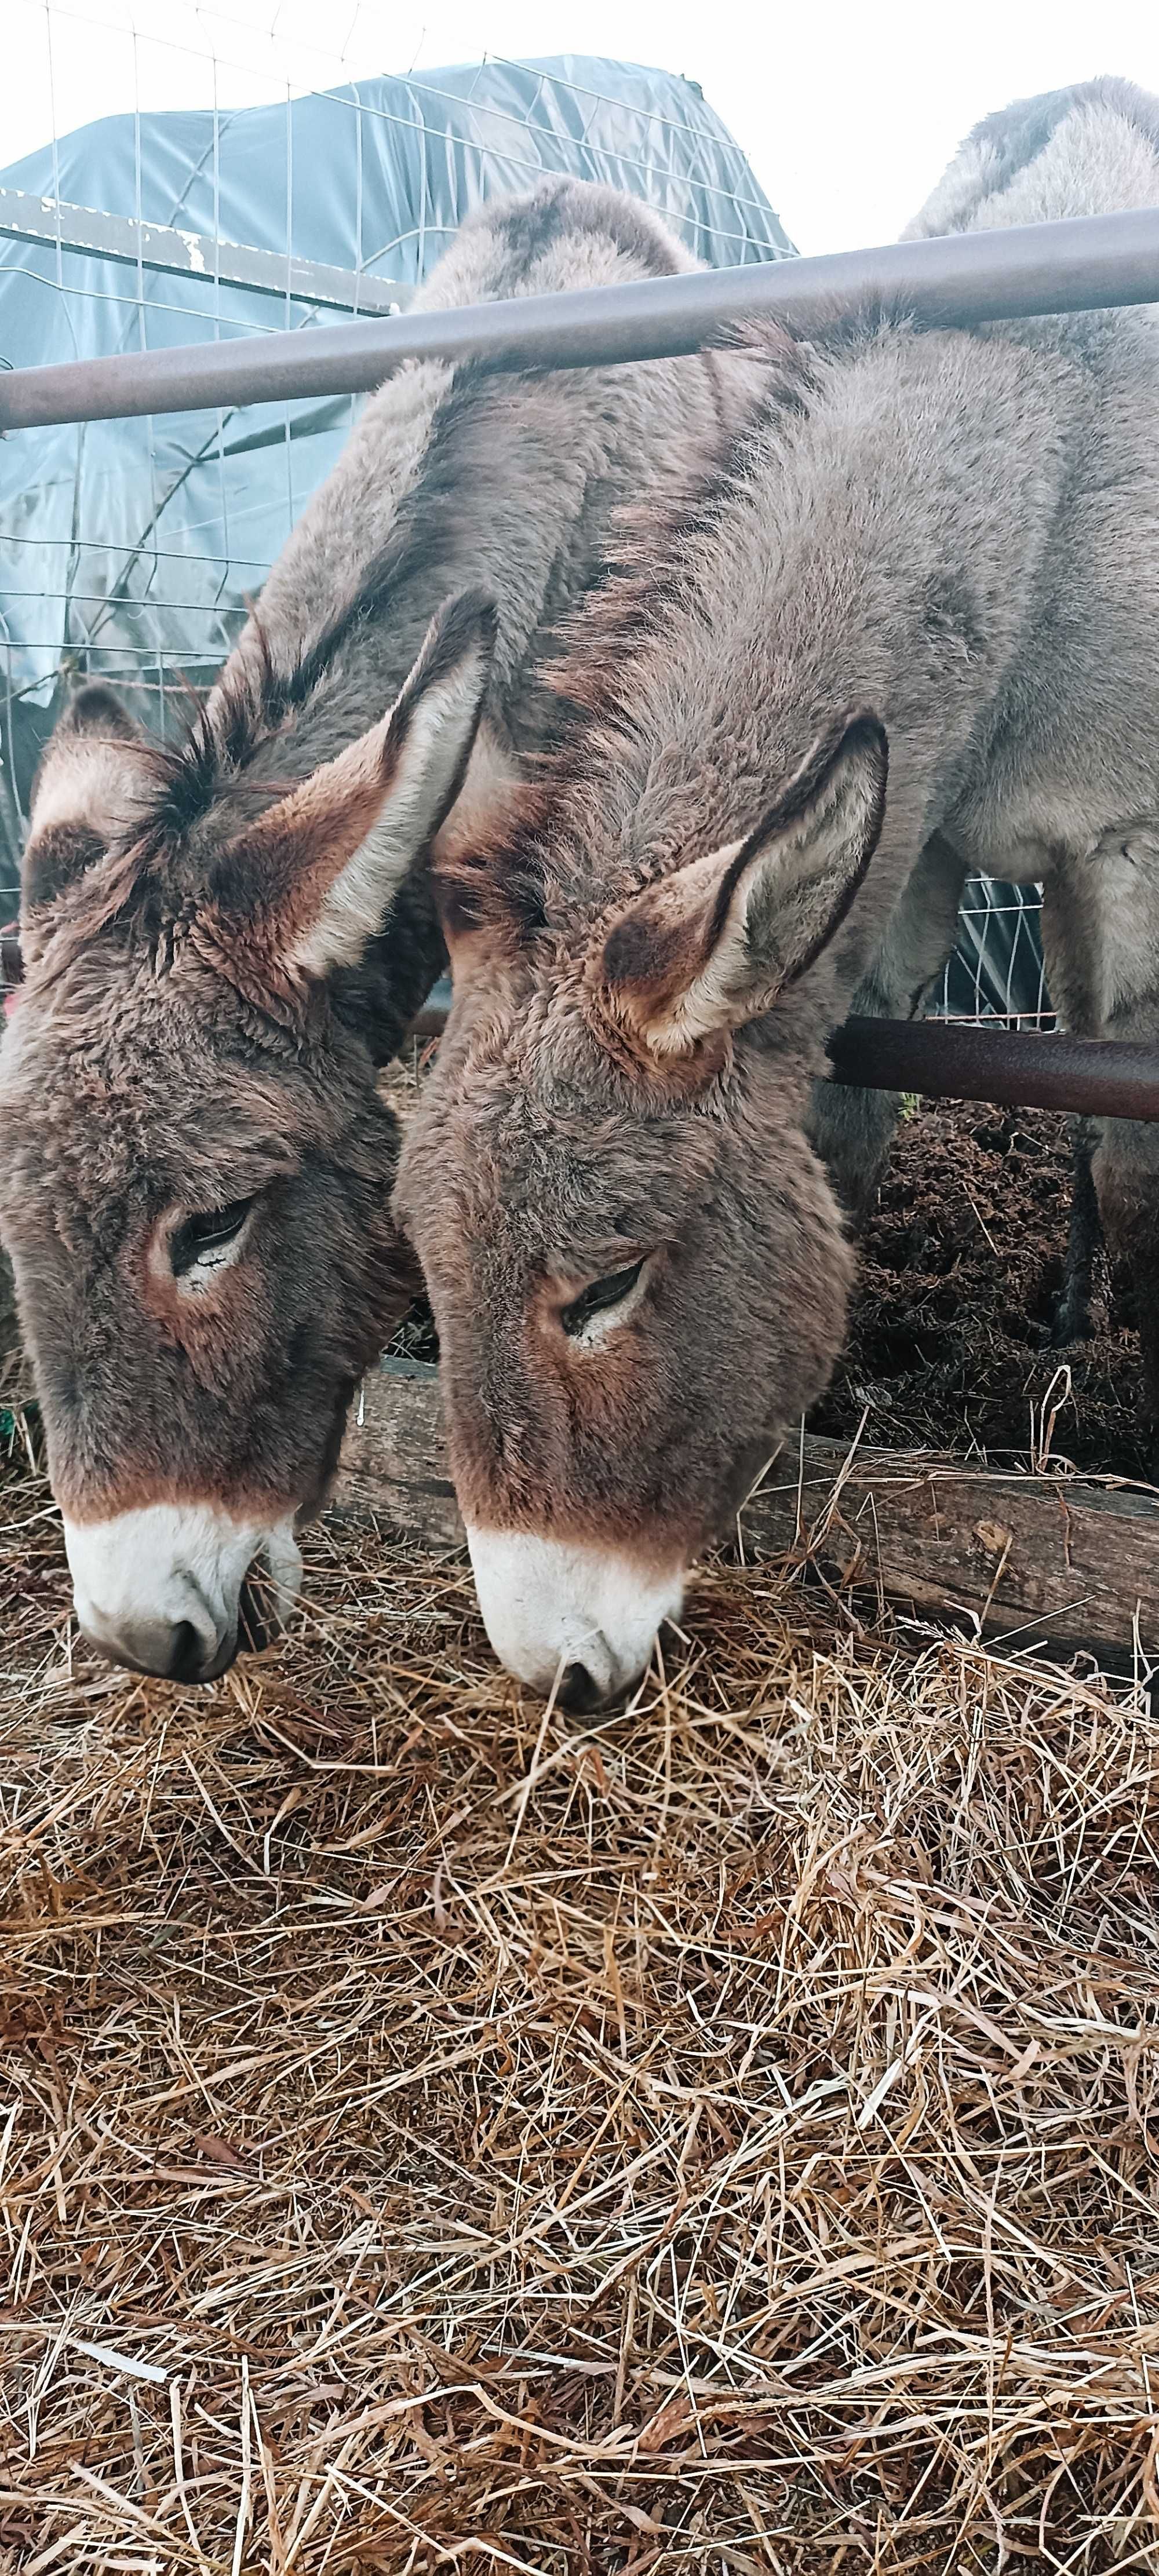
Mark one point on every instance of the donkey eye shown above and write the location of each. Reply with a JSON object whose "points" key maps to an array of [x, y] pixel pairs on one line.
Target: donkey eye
{"points": [[600, 1294], [210, 1232]]}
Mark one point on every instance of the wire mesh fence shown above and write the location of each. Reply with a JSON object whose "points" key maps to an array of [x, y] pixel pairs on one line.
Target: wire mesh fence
{"points": [[996, 973], [286, 190], [132, 548]]}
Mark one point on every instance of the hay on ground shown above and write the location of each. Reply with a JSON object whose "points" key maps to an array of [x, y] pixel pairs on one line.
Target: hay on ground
{"points": [[434, 2133]]}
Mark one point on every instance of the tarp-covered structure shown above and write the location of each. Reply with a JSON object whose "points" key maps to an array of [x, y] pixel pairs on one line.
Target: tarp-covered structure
{"points": [[131, 546]]}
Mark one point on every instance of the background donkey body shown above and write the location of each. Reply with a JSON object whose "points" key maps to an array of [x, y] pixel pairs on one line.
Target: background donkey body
{"points": [[934, 548], [197, 1165], [1076, 151]]}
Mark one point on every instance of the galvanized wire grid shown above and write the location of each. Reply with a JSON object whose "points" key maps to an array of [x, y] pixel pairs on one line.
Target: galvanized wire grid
{"points": [[157, 607], [996, 972]]}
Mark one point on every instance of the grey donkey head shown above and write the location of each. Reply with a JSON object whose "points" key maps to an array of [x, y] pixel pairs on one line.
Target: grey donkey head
{"points": [[636, 1263], [197, 1165]]}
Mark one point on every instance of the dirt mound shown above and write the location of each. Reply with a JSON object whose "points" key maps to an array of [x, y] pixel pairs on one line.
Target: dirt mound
{"points": [[949, 1344]]}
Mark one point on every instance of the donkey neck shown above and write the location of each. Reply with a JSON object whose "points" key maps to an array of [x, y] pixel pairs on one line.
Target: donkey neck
{"points": [[882, 545], [326, 654]]}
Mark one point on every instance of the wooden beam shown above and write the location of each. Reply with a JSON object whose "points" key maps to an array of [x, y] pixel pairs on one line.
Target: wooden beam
{"points": [[1068, 1560], [394, 1457], [52, 223]]}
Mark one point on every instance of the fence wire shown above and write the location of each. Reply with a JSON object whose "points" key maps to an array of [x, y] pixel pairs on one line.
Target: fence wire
{"points": [[261, 181], [996, 973]]}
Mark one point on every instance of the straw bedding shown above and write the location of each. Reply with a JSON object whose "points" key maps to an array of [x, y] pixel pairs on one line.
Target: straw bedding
{"points": [[437, 2133]]}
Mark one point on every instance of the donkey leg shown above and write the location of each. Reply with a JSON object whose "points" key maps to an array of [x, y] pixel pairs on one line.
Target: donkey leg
{"points": [[1072, 1314], [1100, 929], [852, 1131], [852, 1128], [1125, 1168]]}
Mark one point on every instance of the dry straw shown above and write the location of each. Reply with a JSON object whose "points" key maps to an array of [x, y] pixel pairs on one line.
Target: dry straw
{"points": [[712, 2136]]}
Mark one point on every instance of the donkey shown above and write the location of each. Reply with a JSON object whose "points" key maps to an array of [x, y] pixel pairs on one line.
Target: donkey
{"points": [[223, 943], [1081, 150], [905, 629]]}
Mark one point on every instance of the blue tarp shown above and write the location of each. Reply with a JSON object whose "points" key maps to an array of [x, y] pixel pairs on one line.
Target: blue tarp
{"points": [[134, 544]]}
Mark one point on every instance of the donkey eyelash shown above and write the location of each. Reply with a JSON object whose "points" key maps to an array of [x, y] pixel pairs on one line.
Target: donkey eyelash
{"points": [[213, 1230], [599, 1297]]}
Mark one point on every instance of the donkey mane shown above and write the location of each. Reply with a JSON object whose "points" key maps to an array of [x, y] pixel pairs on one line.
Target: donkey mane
{"points": [[652, 581], [256, 702], [508, 881], [259, 695], [309, 674], [513, 884]]}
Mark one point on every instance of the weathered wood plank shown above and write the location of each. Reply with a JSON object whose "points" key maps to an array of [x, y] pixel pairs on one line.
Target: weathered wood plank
{"points": [[394, 1457], [1072, 1559]]}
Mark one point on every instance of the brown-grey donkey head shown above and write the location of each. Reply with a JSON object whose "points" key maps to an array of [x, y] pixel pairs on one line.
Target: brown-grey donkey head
{"points": [[637, 1267], [197, 1165]]}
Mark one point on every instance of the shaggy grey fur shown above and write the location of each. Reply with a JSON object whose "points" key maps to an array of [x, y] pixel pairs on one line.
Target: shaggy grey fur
{"points": [[955, 533], [1089, 149]]}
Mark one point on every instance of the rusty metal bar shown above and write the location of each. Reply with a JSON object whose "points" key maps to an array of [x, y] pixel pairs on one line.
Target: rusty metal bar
{"points": [[1088, 262], [949, 1060]]}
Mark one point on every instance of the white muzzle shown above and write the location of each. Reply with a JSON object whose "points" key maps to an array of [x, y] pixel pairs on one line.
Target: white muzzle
{"points": [[161, 1589], [582, 1618]]}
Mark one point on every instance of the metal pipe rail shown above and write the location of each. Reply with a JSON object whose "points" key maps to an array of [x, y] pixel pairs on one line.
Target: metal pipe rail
{"points": [[949, 1060], [53, 223], [1081, 265]]}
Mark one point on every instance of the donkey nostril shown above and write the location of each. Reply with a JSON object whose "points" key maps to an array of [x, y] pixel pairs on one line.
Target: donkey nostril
{"points": [[176, 1650], [578, 1692], [188, 1653]]}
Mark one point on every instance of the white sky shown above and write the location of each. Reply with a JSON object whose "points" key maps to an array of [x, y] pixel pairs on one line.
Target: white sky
{"points": [[847, 109]]}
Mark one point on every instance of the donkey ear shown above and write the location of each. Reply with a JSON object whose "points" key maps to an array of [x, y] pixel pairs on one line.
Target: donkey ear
{"points": [[316, 876], [715, 943], [84, 791]]}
